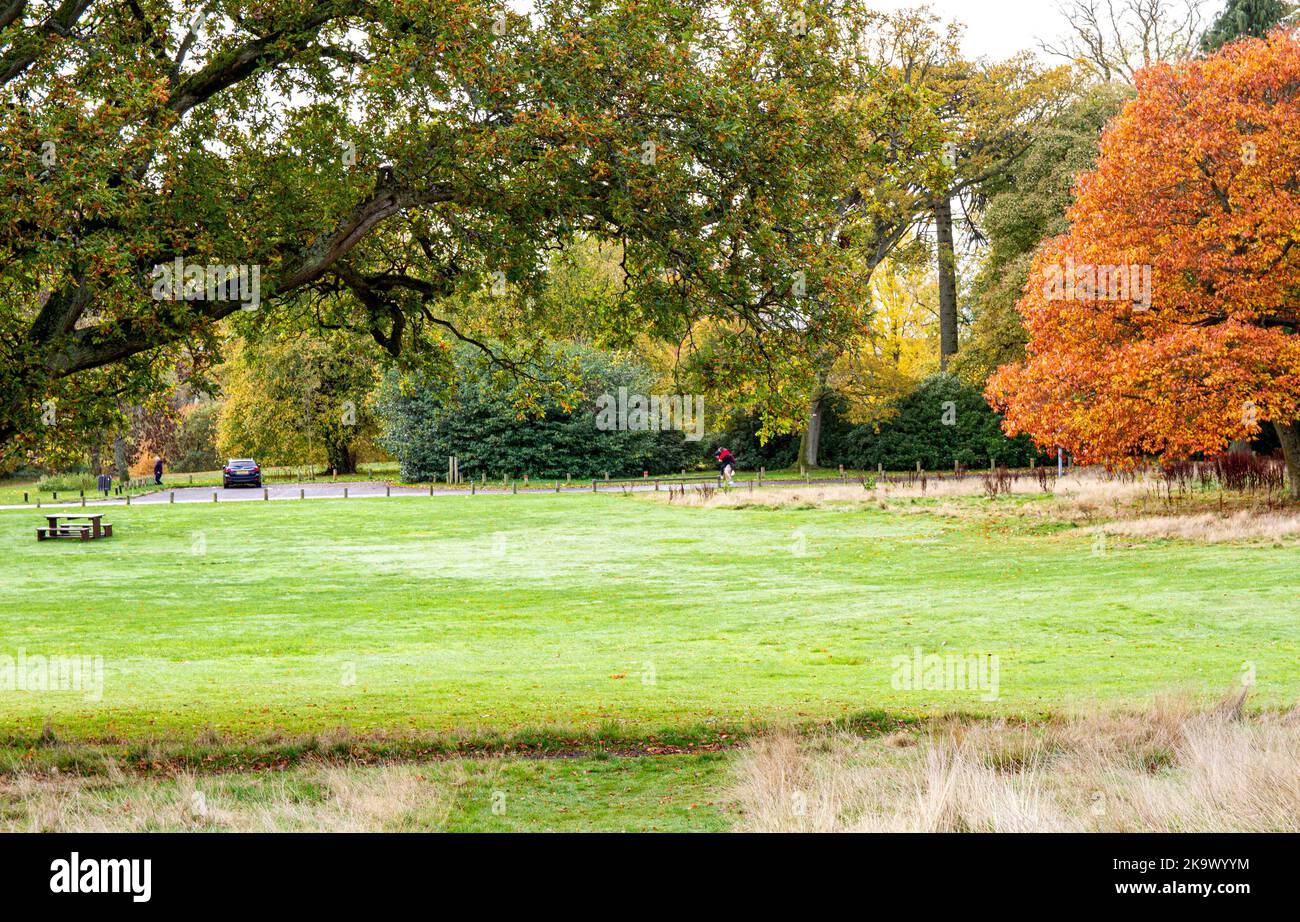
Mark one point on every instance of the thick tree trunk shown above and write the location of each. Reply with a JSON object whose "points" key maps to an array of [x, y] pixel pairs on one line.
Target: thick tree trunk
{"points": [[947, 269], [119, 458], [340, 457], [1289, 435], [810, 441]]}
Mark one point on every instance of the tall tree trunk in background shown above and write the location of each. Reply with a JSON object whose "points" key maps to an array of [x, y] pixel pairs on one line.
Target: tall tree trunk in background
{"points": [[1289, 435], [810, 441], [947, 269], [119, 457]]}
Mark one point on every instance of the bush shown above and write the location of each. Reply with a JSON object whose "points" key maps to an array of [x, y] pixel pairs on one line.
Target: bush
{"points": [[66, 483], [941, 422], [424, 425]]}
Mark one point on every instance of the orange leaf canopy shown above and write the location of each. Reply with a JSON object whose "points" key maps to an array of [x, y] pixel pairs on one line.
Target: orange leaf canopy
{"points": [[1166, 321]]}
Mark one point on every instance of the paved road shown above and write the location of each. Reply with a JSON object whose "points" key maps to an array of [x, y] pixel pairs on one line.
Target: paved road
{"points": [[368, 489]]}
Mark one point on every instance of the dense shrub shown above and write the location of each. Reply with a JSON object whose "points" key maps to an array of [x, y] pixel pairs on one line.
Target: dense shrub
{"points": [[941, 422], [424, 422]]}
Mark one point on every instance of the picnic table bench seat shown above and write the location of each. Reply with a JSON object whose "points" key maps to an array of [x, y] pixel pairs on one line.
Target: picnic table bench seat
{"points": [[86, 530]]}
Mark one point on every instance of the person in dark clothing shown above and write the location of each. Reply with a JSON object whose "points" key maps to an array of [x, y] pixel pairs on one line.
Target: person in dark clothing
{"points": [[726, 464], [157, 471]]}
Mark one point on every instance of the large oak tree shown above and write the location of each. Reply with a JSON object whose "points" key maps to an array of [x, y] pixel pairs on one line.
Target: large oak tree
{"points": [[384, 163]]}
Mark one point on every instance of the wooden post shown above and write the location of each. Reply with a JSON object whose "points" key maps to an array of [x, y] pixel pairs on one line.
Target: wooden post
{"points": [[171, 497], [302, 494], [266, 494], [918, 467], [471, 486], [956, 467], [514, 486], [593, 486], [431, 488], [568, 479], [214, 496], [191, 480], [128, 499], [607, 476], [24, 497], [345, 492], [761, 472], [83, 499], [557, 486], [656, 484], [388, 490]]}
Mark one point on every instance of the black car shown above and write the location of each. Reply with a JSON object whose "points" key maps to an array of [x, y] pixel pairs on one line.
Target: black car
{"points": [[241, 471]]}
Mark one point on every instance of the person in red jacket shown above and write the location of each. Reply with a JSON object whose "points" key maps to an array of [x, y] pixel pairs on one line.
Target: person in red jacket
{"points": [[726, 464]]}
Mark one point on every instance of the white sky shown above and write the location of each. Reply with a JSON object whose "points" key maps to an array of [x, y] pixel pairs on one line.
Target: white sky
{"points": [[996, 28]]}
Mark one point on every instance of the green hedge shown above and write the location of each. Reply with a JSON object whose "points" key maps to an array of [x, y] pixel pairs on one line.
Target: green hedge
{"points": [[941, 422], [425, 422]]}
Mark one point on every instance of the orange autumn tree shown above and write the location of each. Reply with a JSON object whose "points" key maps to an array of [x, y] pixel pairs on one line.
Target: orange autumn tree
{"points": [[1166, 322]]}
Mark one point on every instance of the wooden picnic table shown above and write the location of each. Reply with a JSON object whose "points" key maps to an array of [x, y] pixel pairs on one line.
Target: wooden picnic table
{"points": [[95, 527]]}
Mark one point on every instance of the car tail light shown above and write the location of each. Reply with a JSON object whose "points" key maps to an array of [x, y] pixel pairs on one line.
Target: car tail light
{"points": [[257, 470]]}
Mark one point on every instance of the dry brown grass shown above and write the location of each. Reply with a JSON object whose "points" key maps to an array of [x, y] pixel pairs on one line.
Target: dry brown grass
{"points": [[1089, 488], [1171, 769], [320, 799], [1212, 528], [1137, 507]]}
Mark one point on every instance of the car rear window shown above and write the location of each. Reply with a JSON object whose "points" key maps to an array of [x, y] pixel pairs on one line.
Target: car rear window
{"points": [[242, 465]]}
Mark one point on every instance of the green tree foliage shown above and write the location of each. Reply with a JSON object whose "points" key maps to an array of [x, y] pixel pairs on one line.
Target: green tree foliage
{"points": [[941, 422], [300, 400], [1024, 208], [425, 421], [406, 169], [195, 446], [1244, 17]]}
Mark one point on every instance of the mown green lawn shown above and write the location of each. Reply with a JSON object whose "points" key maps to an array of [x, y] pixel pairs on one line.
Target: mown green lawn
{"points": [[505, 613]]}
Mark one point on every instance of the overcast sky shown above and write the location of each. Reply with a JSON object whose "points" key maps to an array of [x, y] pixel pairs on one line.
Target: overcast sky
{"points": [[997, 28]]}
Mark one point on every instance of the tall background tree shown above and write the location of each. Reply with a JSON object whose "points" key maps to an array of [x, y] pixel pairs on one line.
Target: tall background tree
{"points": [[1241, 18]]}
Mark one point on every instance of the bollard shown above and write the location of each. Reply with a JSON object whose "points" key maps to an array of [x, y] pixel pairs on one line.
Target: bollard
{"points": [[557, 486], [266, 494], [302, 493], [128, 499], [171, 497], [25, 497], [56, 495], [656, 484], [607, 476], [345, 492], [430, 488], [918, 467], [83, 500], [214, 496], [191, 480], [471, 486], [593, 486], [568, 478], [514, 486], [388, 490]]}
